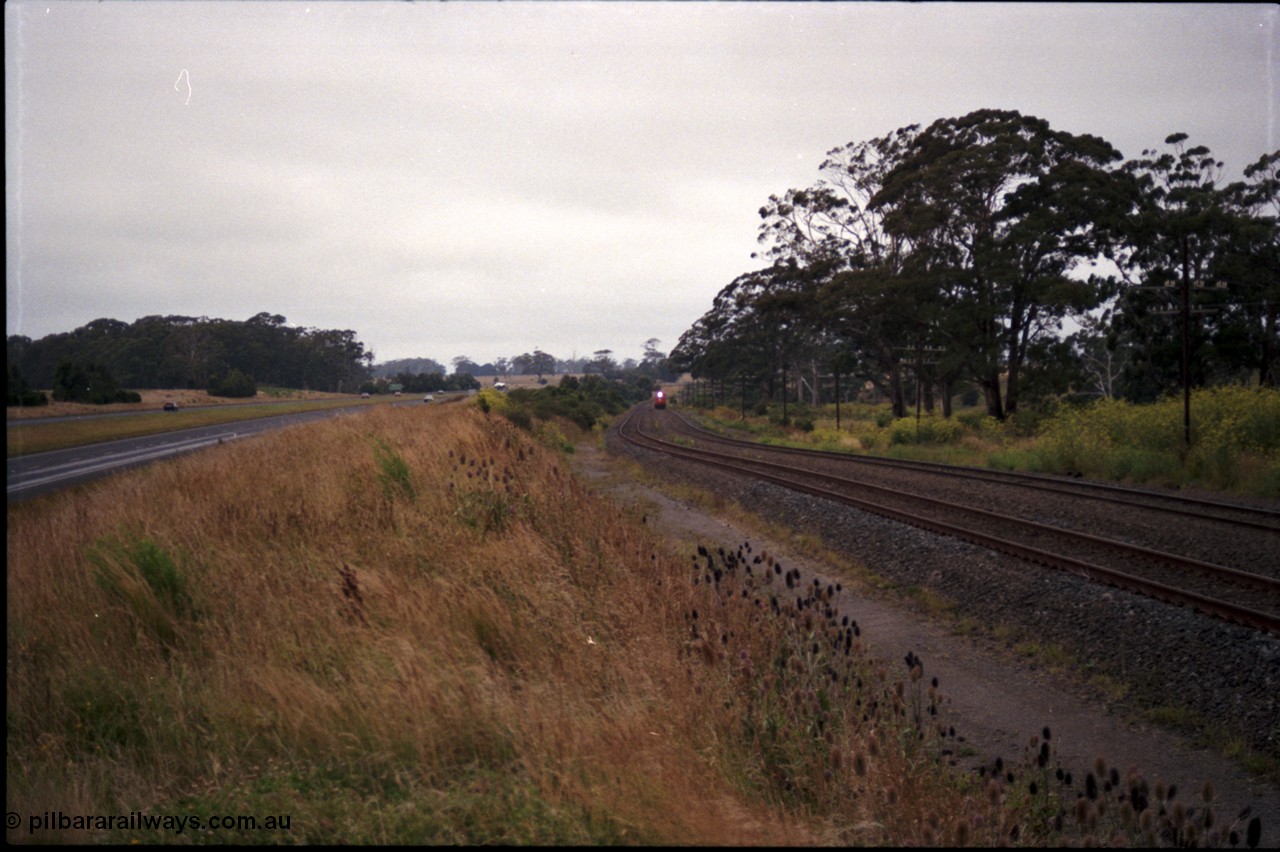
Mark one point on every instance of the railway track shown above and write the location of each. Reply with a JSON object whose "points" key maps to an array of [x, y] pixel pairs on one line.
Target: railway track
{"points": [[1159, 545]]}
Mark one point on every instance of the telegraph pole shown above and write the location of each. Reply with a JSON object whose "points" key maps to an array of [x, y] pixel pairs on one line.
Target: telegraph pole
{"points": [[921, 363], [1186, 344], [837, 372], [1186, 313], [784, 393]]}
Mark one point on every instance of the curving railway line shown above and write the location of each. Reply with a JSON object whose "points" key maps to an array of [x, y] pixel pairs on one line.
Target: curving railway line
{"points": [[1217, 557]]}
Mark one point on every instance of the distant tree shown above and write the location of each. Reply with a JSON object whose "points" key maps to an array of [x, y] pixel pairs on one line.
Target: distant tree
{"points": [[535, 363], [602, 363], [463, 381], [543, 363], [407, 365], [463, 364], [183, 351], [191, 351], [88, 382], [655, 364], [18, 392]]}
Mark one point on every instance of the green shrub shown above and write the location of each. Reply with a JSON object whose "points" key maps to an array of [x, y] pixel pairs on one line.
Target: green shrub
{"points": [[550, 435], [583, 401], [520, 417], [234, 385], [395, 475], [139, 574], [930, 429], [870, 437]]}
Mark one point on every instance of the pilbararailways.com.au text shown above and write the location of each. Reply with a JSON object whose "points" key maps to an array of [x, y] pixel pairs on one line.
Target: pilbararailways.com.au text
{"points": [[138, 821]]}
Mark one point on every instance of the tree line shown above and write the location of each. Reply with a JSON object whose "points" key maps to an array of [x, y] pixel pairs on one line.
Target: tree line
{"points": [[416, 375], [95, 362], [994, 254], [653, 363], [193, 352]]}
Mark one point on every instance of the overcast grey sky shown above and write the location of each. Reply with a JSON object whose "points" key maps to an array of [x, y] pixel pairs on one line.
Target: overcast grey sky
{"points": [[484, 179]]}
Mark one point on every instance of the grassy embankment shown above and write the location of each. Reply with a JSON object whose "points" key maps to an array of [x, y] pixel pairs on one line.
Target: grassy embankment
{"points": [[415, 626], [1235, 439]]}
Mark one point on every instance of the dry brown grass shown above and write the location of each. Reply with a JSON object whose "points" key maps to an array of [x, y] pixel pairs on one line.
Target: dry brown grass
{"points": [[415, 626], [497, 619]]}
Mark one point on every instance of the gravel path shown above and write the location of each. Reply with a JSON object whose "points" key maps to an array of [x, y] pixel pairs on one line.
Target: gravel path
{"points": [[996, 700]]}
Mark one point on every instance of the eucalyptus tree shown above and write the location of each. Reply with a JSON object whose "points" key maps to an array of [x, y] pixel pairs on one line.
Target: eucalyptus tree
{"points": [[334, 360], [999, 214], [1250, 268], [536, 363], [542, 363], [655, 364], [192, 350], [464, 364], [1200, 265], [735, 339], [1166, 243], [1100, 359], [850, 262], [602, 362]]}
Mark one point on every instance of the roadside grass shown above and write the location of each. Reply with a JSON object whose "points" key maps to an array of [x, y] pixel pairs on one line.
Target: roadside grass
{"points": [[416, 626], [26, 438]]}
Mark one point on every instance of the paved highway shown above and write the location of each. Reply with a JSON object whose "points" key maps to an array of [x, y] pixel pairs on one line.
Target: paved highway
{"points": [[40, 473]]}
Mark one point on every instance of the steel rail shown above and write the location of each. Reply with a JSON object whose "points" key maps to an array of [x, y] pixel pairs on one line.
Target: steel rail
{"points": [[1119, 579]]}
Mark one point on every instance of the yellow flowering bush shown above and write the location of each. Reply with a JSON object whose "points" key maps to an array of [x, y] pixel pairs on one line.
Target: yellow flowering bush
{"points": [[491, 400], [1118, 440], [827, 438], [932, 430]]}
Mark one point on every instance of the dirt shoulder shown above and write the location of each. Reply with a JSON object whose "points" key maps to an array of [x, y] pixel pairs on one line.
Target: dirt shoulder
{"points": [[995, 702]]}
